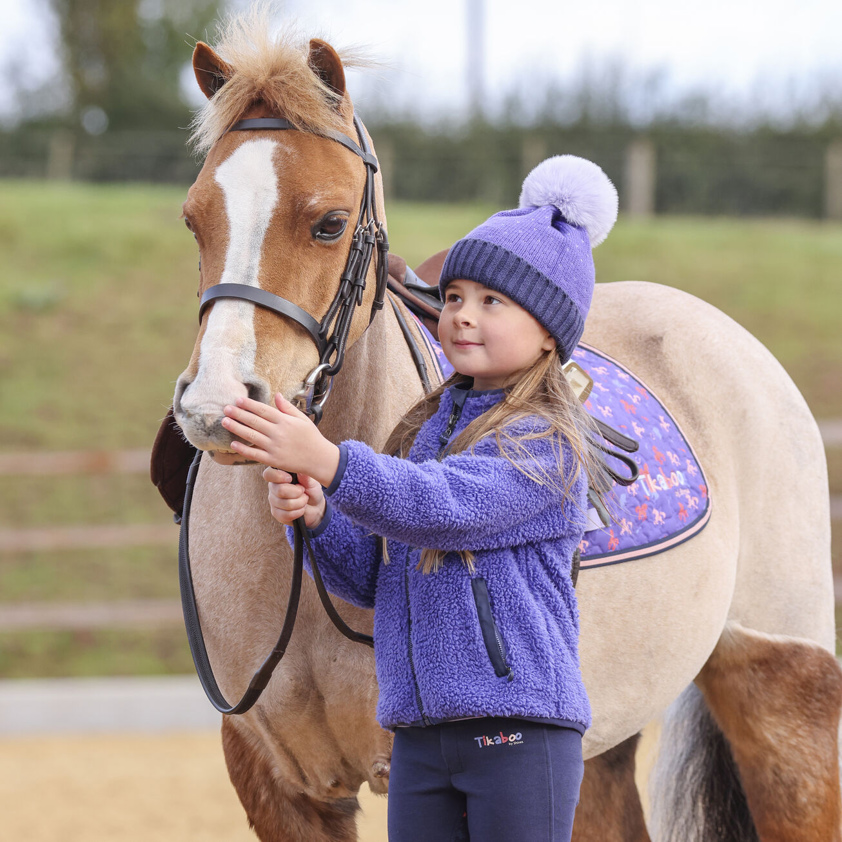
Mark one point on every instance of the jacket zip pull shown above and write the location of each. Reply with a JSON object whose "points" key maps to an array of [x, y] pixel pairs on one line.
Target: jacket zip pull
{"points": [[444, 438], [510, 672]]}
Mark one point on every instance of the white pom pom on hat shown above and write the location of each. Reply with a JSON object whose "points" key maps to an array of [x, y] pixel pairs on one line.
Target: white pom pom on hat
{"points": [[581, 191]]}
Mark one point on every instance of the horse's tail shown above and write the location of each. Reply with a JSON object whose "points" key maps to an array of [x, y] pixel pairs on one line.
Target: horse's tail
{"points": [[695, 788]]}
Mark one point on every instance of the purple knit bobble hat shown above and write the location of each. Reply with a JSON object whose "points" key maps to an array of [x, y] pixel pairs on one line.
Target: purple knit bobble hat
{"points": [[540, 254]]}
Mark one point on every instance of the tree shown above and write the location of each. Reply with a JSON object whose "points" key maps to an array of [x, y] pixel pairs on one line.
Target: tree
{"points": [[122, 59]]}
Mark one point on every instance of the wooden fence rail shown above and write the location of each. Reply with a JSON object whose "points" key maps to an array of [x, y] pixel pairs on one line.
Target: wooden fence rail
{"points": [[141, 613], [41, 463], [75, 462]]}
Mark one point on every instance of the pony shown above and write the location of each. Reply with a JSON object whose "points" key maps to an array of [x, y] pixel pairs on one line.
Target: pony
{"points": [[727, 639]]}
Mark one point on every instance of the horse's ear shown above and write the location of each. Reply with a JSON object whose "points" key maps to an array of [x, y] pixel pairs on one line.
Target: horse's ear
{"points": [[211, 71], [324, 61]]}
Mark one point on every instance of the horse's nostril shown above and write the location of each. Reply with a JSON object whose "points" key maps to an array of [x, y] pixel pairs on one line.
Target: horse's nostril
{"points": [[258, 392], [180, 388]]}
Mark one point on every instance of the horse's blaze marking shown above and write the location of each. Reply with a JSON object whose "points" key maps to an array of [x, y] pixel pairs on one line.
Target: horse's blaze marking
{"points": [[227, 353]]}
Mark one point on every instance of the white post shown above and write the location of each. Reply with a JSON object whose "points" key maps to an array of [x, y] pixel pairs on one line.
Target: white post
{"points": [[475, 56], [833, 180], [533, 150], [60, 156], [639, 178]]}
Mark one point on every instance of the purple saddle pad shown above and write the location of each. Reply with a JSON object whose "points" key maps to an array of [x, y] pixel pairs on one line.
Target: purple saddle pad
{"points": [[669, 502]]}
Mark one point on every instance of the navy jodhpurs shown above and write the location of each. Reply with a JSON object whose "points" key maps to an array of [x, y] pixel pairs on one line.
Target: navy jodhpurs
{"points": [[516, 780]]}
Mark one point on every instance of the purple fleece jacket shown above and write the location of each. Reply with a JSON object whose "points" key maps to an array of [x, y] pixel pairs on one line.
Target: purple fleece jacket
{"points": [[501, 641]]}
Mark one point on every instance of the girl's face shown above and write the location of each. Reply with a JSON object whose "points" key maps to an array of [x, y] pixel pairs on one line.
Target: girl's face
{"points": [[485, 335]]}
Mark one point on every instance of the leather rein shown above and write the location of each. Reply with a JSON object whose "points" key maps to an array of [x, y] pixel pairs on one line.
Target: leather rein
{"points": [[330, 336]]}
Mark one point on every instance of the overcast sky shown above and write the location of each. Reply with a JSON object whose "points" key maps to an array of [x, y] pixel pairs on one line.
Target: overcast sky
{"points": [[736, 48]]}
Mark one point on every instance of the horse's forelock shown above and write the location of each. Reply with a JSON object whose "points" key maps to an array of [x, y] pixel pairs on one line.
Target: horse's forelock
{"points": [[270, 68]]}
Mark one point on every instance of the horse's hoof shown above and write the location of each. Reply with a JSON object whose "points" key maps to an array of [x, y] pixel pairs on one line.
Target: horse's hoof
{"points": [[380, 769]]}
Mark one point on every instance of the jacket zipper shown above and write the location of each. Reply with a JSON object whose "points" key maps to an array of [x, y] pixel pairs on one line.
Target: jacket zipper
{"points": [[509, 673], [424, 718], [444, 438], [490, 631]]}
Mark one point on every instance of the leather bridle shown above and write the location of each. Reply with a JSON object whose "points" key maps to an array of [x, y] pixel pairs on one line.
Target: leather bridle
{"points": [[330, 335]]}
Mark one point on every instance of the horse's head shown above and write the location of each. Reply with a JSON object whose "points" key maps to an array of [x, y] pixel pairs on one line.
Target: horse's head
{"points": [[274, 210]]}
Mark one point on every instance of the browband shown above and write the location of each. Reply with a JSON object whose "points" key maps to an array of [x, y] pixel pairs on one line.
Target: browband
{"points": [[261, 123]]}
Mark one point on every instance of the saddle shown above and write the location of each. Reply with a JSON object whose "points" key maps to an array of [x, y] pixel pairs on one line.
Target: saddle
{"points": [[419, 289]]}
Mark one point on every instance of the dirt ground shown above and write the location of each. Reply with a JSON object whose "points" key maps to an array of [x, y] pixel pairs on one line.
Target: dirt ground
{"points": [[136, 788], [166, 788]]}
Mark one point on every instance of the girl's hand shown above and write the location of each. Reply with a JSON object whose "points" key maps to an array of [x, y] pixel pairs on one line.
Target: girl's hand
{"points": [[289, 502], [281, 436]]}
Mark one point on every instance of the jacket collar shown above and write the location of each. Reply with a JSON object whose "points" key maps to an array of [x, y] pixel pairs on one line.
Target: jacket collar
{"points": [[461, 394]]}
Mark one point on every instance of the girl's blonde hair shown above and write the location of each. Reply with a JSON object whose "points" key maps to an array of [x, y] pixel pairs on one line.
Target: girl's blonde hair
{"points": [[541, 392]]}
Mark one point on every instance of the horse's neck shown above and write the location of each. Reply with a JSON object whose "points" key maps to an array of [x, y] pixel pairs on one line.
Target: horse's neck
{"points": [[376, 386]]}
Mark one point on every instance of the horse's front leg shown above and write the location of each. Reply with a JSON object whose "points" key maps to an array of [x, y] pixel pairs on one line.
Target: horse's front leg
{"points": [[778, 700], [276, 812]]}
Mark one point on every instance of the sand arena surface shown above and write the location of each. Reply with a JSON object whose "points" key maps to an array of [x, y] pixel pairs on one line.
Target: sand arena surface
{"points": [[135, 788]]}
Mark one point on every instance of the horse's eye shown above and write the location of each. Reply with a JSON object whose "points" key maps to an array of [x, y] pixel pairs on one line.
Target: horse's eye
{"points": [[330, 227]]}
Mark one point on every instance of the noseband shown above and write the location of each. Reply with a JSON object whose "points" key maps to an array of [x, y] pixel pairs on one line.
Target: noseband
{"points": [[331, 337], [331, 333]]}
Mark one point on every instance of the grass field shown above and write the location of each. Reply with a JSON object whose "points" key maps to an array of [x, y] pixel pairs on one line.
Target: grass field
{"points": [[98, 314], [98, 317]]}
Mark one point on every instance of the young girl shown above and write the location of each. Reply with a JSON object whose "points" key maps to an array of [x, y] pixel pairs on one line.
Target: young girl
{"points": [[478, 516]]}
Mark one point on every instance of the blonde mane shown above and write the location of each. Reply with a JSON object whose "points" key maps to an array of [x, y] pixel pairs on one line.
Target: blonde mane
{"points": [[266, 67]]}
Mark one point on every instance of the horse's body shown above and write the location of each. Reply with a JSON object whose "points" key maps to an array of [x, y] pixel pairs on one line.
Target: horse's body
{"points": [[745, 609], [762, 561]]}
